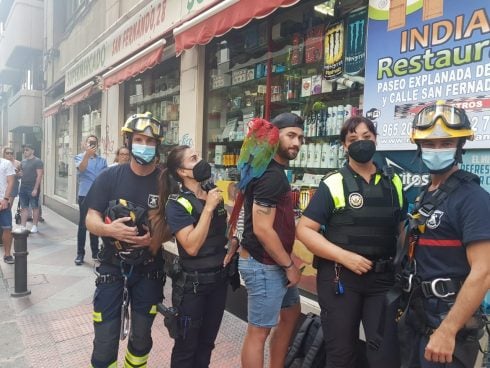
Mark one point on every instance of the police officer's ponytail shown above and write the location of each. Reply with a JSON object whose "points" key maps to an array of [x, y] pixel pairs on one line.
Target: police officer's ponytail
{"points": [[168, 183]]}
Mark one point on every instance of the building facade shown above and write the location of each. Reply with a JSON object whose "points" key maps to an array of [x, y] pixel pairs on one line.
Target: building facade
{"points": [[21, 74]]}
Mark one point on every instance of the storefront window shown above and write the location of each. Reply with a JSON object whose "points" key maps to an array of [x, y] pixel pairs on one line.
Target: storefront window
{"points": [[307, 59], [158, 91], [62, 153], [89, 122]]}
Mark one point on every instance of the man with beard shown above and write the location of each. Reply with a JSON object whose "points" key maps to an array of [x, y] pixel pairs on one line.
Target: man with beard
{"points": [[265, 263]]}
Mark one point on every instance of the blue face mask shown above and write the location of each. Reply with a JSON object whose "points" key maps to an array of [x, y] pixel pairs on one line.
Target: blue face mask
{"points": [[438, 160], [143, 154]]}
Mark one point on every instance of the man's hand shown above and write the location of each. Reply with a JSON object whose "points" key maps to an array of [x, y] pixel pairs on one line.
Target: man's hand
{"points": [[90, 150], [294, 275], [4, 204], [129, 234], [440, 348], [34, 193]]}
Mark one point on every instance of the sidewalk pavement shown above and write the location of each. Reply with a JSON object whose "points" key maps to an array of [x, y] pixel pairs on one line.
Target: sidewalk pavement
{"points": [[52, 327]]}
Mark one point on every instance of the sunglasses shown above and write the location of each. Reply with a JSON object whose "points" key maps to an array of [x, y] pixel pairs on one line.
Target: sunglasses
{"points": [[9, 153]]}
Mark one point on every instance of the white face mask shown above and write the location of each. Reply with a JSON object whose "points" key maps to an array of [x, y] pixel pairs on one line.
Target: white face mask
{"points": [[439, 160]]}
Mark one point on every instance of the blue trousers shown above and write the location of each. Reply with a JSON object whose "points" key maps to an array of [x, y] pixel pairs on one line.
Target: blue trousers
{"points": [[144, 294]]}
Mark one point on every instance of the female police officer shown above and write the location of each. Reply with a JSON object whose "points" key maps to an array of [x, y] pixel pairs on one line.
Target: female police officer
{"points": [[362, 209], [195, 214]]}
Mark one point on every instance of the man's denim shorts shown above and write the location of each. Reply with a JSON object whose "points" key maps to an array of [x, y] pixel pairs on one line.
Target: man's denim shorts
{"points": [[267, 291], [27, 200], [6, 219]]}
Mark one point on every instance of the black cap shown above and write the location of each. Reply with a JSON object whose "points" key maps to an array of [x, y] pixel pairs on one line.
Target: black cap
{"points": [[27, 145], [288, 120]]}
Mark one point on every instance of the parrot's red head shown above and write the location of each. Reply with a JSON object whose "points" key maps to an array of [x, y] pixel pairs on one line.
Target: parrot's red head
{"points": [[262, 129]]}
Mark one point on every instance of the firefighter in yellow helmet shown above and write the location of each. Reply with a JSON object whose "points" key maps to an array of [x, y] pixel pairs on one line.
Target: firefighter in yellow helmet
{"points": [[130, 276], [147, 125], [447, 269], [438, 122]]}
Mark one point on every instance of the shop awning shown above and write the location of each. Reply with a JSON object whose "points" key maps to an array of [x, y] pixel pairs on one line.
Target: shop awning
{"points": [[222, 18], [78, 95], [137, 64], [52, 109]]}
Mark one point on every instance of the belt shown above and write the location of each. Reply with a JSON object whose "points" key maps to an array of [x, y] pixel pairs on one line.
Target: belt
{"points": [[110, 278], [440, 288], [383, 265], [244, 253], [197, 277]]}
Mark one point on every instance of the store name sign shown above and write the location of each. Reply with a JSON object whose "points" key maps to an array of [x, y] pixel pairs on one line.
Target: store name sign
{"points": [[147, 25]]}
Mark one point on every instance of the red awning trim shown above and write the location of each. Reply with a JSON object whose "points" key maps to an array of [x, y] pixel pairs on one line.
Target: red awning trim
{"points": [[135, 65], [215, 24], [52, 109], [78, 95]]}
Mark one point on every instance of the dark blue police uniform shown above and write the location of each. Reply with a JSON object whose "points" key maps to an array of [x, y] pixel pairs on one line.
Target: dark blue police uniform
{"points": [[199, 290], [367, 224]]}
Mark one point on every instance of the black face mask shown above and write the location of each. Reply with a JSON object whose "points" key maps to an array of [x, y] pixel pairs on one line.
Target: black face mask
{"points": [[362, 151], [201, 171]]}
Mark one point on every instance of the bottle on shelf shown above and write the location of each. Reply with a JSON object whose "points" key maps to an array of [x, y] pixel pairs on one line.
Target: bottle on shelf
{"points": [[317, 154], [325, 155], [334, 121], [304, 155], [340, 118], [347, 111], [310, 156]]}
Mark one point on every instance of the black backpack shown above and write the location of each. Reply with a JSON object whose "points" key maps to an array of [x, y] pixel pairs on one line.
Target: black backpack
{"points": [[308, 347]]}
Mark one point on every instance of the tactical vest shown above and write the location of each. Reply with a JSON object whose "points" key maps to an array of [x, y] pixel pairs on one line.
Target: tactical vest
{"points": [[213, 250], [365, 223]]}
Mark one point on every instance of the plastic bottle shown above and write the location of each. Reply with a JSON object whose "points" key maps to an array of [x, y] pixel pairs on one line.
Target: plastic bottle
{"points": [[317, 152], [334, 121], [324, 155], [347, 111], [304, 155], [333, 160], [340, 118], [311, 154]]}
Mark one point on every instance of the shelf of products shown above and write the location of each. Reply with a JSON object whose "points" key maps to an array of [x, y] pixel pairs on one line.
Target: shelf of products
{"points": [[296, 61], [158, 90]]}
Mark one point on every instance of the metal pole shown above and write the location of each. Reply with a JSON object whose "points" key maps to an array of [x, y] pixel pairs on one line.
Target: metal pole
{"points": [[20, 253]]}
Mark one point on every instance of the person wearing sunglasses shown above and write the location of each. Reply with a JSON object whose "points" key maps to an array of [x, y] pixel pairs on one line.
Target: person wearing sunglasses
{"points": [[130, 274], [447, 267], [89, 165]]}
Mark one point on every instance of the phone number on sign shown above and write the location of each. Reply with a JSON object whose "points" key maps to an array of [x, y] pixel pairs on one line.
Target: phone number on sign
{"points": [[479, 124], [396, 129]]}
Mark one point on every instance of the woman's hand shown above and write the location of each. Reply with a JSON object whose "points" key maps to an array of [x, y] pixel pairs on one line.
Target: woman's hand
{"points": [[214, 197], [356, 263], [234, 243]]}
